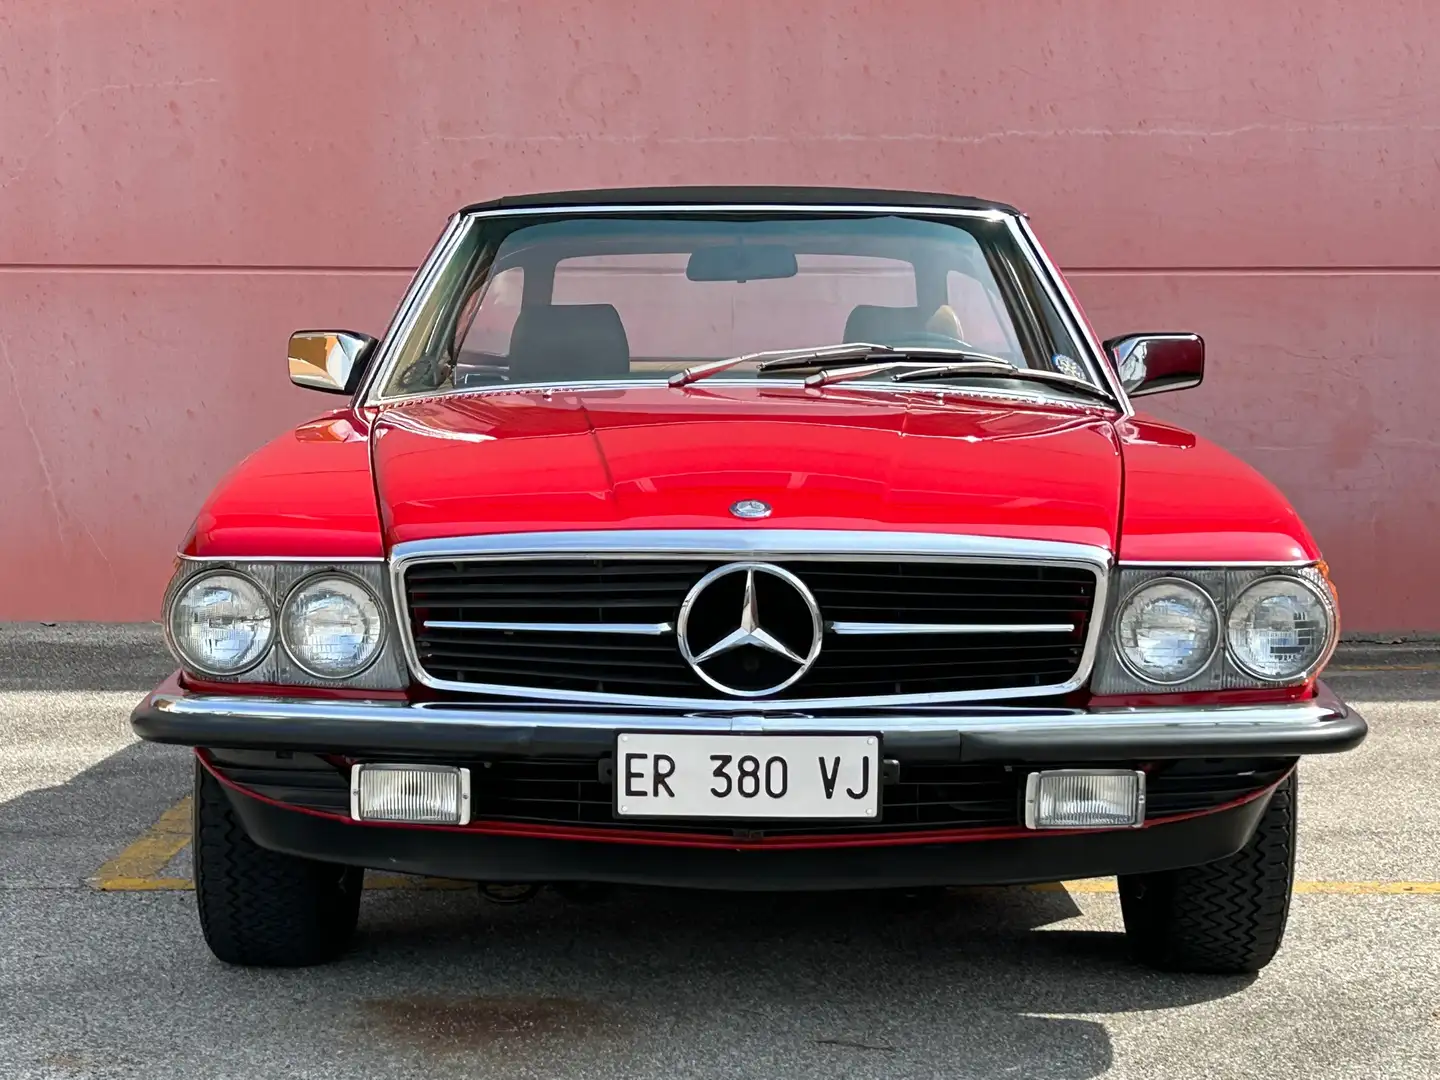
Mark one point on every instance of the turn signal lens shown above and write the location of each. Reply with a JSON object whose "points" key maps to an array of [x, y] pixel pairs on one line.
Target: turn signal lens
{"points": [[221, 624], [1279, 629], [1167, 631]]}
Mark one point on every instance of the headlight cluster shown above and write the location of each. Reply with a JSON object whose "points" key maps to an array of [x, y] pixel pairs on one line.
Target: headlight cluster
{"points": [[332, 627], [1217, 629], [281, 623], [222, 624]]}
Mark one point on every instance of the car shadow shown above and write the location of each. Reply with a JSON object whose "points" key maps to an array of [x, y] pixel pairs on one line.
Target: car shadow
{"points": [[991, 978], [983, 983]]}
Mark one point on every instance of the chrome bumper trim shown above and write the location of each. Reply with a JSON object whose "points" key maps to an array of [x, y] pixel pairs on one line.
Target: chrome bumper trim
{"points": [[1318, 725]]}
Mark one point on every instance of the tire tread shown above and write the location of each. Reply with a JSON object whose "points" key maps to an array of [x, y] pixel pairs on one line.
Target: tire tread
{"points": [[1223, 917], [264, 908]]}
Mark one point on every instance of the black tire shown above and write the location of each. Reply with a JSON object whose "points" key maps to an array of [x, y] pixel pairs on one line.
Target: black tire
{"points": [[261, 908], [1224, 917]]}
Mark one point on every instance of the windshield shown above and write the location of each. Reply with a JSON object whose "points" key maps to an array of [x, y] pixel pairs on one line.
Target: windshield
{"points": [[559, 299]]}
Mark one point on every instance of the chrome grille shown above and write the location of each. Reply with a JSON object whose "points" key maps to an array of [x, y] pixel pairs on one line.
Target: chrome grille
{"points": [[602, 627]]}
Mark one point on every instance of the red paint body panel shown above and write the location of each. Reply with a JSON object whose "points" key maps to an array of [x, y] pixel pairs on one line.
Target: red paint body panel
{"points": [[1186, 500], [662, 458], [307, 493]]}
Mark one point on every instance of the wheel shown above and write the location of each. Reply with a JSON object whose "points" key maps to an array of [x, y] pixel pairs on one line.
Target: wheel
{"points": [[261, 908], [1225, 917]]}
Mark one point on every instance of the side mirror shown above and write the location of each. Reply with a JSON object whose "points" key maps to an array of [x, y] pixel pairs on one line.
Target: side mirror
{"points": [[329, 360], [1154, 363]]}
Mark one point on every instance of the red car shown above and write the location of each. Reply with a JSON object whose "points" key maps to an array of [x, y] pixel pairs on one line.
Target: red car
{"points": [[747, 538]]}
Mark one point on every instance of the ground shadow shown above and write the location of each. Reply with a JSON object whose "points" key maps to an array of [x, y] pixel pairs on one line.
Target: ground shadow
{"points": [[973, 983]]}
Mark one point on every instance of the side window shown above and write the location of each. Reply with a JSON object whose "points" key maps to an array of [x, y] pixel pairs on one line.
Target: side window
{"points": [[983, 318], [494, 310]]}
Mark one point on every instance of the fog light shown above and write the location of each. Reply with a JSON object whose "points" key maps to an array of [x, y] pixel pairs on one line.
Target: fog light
{"points": [[1085, 799], [416, 794]]}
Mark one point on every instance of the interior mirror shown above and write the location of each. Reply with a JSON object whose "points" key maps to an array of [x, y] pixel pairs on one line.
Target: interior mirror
{"points": [[1154, 363], [329, 360], [741, 262]]}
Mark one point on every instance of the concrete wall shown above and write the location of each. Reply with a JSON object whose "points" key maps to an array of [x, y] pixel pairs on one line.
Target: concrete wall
{"points": [[179, 189]]}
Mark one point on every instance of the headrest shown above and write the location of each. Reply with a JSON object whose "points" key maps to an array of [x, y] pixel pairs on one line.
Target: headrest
{"points": [[880, 325], [560, 342]]}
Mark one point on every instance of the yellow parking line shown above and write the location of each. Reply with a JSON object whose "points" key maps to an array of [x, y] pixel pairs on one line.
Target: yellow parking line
{"points": [[140, 868], [1367, 888], [1311, 888]]}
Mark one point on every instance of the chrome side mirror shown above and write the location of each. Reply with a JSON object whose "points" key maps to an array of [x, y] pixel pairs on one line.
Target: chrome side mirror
{"points": [[1154, 363], [329, 360]]}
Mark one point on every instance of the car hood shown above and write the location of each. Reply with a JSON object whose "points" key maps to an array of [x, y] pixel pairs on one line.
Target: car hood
{"points": [[649, 458]]}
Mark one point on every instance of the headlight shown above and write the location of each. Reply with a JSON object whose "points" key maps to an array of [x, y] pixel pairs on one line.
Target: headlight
{"points": [[1279, 628], [1167, 631], [332, 627], [221, 624]]}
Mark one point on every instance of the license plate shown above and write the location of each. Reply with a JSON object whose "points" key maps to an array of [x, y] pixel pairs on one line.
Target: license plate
{"points": [[748, 776]]}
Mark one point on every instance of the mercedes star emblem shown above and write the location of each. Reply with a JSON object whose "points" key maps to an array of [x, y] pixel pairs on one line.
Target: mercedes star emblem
{"points": [[724, 641], [750, 509]]}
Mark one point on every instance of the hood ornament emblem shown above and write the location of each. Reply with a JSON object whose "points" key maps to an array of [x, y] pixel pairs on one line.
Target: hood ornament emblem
{"points": [[750, 509], [720, 658]]}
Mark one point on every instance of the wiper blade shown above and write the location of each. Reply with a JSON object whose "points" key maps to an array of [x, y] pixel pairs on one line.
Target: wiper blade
{"points": [[1053, 378], [825, 377], [860, 353], [779, 359]]}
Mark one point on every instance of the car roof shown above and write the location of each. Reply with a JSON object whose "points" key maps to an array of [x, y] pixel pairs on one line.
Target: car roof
{"points": [[760, 196]]}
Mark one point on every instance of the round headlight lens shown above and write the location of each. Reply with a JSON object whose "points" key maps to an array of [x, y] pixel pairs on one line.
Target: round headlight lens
{"points": [[221, 624], [1167, 631], [332, 627], [1278, 629]]}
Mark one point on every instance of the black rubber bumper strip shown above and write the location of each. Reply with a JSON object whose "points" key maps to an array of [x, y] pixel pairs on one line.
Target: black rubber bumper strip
{"points": [[1319, 725]]}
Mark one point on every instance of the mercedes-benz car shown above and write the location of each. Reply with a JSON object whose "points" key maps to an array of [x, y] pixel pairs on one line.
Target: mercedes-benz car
{"points": [[749, 539]]}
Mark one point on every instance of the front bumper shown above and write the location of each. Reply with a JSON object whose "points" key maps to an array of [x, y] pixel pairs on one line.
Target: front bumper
{"points": [[1319, 725], [520, 857]]}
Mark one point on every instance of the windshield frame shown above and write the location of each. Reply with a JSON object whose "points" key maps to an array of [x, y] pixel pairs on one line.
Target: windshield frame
{"points": [[428, 277]]}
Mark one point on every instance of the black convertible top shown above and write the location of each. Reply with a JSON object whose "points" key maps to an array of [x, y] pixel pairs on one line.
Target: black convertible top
{"points": [[788, 196]]}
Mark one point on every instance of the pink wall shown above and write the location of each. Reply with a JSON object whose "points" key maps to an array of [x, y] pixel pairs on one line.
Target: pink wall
{"points": [[179, 190]]}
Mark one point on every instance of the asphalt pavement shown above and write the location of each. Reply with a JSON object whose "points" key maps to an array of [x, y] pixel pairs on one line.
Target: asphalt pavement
{"points": [[103, 971]]}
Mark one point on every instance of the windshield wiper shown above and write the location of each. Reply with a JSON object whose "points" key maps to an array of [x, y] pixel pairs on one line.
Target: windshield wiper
{"points": [[1053, 378], [920, 355], [989, 364], [775, 359], [866, 358]]}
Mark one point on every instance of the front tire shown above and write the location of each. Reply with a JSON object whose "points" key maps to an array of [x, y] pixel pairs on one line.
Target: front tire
{"points": [[1224, 917], [262, 908]]}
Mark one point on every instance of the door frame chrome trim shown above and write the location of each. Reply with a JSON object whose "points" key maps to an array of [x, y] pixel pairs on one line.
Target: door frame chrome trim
{"points": [[746, 544], [421, 285], [1052, 281]]}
